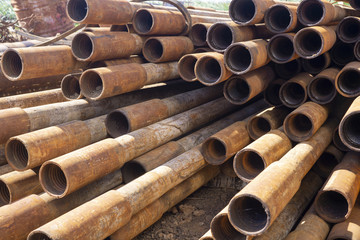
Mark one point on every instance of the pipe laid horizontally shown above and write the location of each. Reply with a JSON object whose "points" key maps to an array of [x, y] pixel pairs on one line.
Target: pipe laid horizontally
{"points": [[281, 49], [316, 65], [186, 66], [198, 34], [321, 88], [281, 18], [70, 87], [347, 81]]}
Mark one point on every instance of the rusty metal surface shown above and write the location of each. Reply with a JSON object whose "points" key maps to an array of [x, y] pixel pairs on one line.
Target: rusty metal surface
{"points": [[5, 169], [198, 34], [271, 93], [114, 62], [321, 88], [186, 66], [331, 157], [345, 84], [348, 128], [337, 197], [281, 18], [281, 49], [248, 12]]}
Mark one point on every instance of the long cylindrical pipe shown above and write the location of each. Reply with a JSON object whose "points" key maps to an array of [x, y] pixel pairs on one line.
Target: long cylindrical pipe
{"points": [[337, 197], [258, 155], [321, 88], [243, 57], [293, 93], [289, 69], [131, 118], [207, 236], [316, 65], [100, 83], [281, 49], [114, 62], [268, 120], [253, 210], [331, 157], [311, 42], [347, 81], [34, 211], [241, 88], [5, 169], [342, 53], [271, 93], [23, 63], [281, 18], [186, 66], [198, 34], [22, 44]]}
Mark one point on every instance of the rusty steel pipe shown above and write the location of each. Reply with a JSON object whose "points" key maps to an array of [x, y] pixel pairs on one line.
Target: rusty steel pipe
{"points": [[23, 63], [165, 49], [271, 93], [5, 169], [34, 211], [347, 81], [248, 12], [258, 155], [253, 210], [222, 35], [349, 229], [288, 70], [131, 118], [100, 83], [22, 44], [241, 88], [280, 48], [338, 142], [293, 92], [268, 120], [310, 42], [348, 30], [342, 53], [153, 212], [210, 69], [281, 18], [321, 88], [121, 204], [337, 197], [198, 34], [331, 157], [95, 46], [3, 160], [301, 124], [16, 185], [316, 65], [115, 62], [244, 57], [186, 66], [70, 87]]}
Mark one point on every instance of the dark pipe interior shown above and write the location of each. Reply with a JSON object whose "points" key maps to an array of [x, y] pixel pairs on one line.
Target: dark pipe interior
{"points": [[131, 171], [77, 9], [315, 65], [349, 30], [259, 126], [17, 154], [298, 125], [4, 194], [293, 94], [153, 50], [271, 94], [70, 87], [342, 54], [82, 46], [11, 64], [351, 130], [208, 70], [221, 228], [198, 35], [278, 18], [281, 49], [308, 43], [325, 164], [215, 150], [143, 21], [237, 90], [220, 36], [91, 84], [39, 236], [53, 179], [349, 82], [186, 67], [310, 12], [289, 69], [248, 164], [332, 204], [322, 90], [238, 58], [242, 11], [117, 124]]}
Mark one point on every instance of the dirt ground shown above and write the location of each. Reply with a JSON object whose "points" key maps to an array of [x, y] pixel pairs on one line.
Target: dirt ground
{"points": [[191, 218]]}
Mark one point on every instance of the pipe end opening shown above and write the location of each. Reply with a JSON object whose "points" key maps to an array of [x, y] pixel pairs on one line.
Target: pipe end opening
{"points": [[17, 154], [221, 228], [242, 11], [308, 43], [214, 151], [292, 94], [4, 194], [248, 164], [278, 18], [208, 70], [351, 130], [238, 58], [237, 91], [38, 236], [153, 50], [349, 30], [219, 36], [53, 179], [198, 35], [322, 90], [117, 124], [298, 127], [131, 171], [281, 49], [311, 12], [332, 205], [11, 63], [186, 67], [143, 21], [70, 87], [91, 84], [82, 46], [77, 10], [349, 82]]}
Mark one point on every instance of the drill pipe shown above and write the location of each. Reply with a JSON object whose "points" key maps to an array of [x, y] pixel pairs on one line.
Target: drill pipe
{"points": [[131, 118], [310, 42], [59, 176], [95, 46], [271, 93], [100, 83], [164, 153], [281, 18], [16, 185], [23, 63], [302, 123], [255, 208], [283, 224], [348, 30], [316, 65], [347, 81], [266, 121], [118, 206], [349, 229], [248, 12], [154, 211], [342, 53], [165, 49], [222, 35], [289, 69], [328, 161], [186, 66], [338, 142], [258, 155], [321, 88], [210, 69], [198, 34], [293, 92], [16, 121], [207, 236], [5, 169], [244, 57], [337, 197], [239, 89], [321, 12], [280, 48], [310, 227], [20, 218], [70, 87]]}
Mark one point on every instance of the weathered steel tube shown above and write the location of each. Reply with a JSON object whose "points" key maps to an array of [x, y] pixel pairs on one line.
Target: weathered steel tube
{"points": [[311, 42], [222, 35], [248, 12], [268, 120], [293, 93], [349, 229], [342, 53], [321, 88], [280, 48], [70, 87], [20, 218], [16, 185], [347, 81], [338, 142], [153, 212], [316, 65], [328, 161], [5, 169], [198, 34], [131, 118], [210, 69], [337, 197], [258, 155], [23, 63], [241, 88], [348, 30], [253, 210], [100, 83], [3, 160], [289, 69], [271, 93], [281, 18], [22, 44], [186, 66], [301, 124], [95, 46], [243, 57]]}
